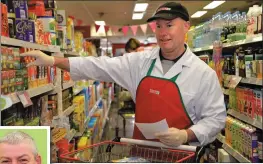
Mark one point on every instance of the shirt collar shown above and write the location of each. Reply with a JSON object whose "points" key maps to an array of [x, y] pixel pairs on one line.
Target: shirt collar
{"points": [[175, 60], [186, 59]]}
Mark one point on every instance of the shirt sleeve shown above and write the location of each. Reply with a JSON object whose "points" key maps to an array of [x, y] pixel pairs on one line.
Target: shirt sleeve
{"points": [[116, 69], [210, 110]]}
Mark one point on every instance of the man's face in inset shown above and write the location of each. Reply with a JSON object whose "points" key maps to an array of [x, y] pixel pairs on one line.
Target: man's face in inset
{"points": [[18, 154]]}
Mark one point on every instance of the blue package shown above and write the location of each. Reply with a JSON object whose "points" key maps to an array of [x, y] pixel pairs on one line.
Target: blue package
{"points": [[30, 33], [21, 29], [20, 7]]}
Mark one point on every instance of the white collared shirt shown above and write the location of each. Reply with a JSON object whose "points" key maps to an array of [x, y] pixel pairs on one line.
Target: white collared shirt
{"points": [[198, 84]]}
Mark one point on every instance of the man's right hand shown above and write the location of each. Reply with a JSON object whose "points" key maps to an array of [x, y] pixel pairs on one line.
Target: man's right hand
{"points": [[42, 59]]}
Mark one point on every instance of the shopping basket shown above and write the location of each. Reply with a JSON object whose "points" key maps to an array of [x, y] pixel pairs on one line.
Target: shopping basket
{"points": [[142, 151]]}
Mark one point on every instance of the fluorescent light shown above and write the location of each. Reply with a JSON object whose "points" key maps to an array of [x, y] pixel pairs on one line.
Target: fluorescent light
{"points": [[198, 14], [214, 4], [101, 23], [137, 16], [140, 7]]}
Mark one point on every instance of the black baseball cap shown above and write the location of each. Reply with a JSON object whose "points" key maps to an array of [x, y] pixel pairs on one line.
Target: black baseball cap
{"points": [[169, 11]]}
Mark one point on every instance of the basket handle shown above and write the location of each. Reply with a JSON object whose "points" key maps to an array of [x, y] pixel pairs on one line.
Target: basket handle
{"points": [[157, 144]]}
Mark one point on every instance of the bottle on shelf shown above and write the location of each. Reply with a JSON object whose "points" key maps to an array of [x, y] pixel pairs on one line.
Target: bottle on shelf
{"points": [[259, 20], [248, 61], [255, 13]]}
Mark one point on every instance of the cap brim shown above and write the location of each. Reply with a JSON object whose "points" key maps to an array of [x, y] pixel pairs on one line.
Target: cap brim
{"points": [[165, 16]]}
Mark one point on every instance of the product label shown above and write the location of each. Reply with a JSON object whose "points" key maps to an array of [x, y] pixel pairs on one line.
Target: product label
{"points": [[39, 28], [31, 31], [21, 29]]}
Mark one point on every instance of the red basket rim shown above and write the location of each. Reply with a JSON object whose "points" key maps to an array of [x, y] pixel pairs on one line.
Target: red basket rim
{"points": [[65, 155]]}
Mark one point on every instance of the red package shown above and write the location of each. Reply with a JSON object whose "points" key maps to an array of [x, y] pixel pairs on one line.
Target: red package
{"points": [[36, 7], [66, 76], [4, 21]]}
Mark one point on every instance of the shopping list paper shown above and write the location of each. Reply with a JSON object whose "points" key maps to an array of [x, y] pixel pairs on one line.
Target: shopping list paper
{"points": [[149, 129]]}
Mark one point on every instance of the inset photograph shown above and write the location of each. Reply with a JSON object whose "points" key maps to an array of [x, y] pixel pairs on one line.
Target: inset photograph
{"points": [[24, 145]]}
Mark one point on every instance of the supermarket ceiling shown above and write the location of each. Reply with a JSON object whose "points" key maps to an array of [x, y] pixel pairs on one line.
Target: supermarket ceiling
{"points": [[120, 12]]}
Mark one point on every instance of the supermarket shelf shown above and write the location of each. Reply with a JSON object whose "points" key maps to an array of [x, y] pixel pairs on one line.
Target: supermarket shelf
{"points": [[94, 108], [92, 111], [55, 117], [68, 84], [21, 43], [221, 138], [77, 90], [235, 154], [32, 92], [245, 118], [202, 49], [69, 110], [256, 38], [70, 53], [252, 80]]}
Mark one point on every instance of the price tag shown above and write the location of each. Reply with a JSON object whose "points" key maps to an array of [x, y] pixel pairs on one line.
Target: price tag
{"points": [[227, 80], [24, 98], [259, 81], [234, 81], [58, 134], [14, 97], [198, 49]]}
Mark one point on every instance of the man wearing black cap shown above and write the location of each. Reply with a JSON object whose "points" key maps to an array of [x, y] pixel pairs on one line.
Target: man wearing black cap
{"points": [[168, 82]]}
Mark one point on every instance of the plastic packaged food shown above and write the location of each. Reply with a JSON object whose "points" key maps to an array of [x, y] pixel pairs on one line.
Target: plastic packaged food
{"points": [[131, 160]]}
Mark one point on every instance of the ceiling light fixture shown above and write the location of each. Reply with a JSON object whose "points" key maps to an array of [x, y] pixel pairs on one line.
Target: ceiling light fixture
{"points": [[101, 23], [198, 14], [214, 4], [140, 7], [137, 16]]}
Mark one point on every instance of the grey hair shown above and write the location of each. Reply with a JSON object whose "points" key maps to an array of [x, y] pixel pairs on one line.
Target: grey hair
{"points": [[18, 137]]}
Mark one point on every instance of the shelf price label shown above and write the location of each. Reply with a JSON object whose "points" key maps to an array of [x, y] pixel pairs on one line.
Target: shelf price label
{"points": [[234, 81], [24, 98]]}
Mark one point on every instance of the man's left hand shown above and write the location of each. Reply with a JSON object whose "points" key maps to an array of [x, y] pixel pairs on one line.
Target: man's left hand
{"points": [[174, 137]]}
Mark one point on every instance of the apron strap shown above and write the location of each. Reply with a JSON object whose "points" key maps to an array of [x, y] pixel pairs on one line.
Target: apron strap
{"points": [[175, 77], [151, 68]]}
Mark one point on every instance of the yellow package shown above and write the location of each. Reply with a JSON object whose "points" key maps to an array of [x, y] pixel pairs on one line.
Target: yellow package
{"points": [[84, 155], [70, 34], [78, 39], [78, 114]]}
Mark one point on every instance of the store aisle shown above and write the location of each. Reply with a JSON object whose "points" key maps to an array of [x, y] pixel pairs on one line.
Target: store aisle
{"points": [[114, 120]]}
